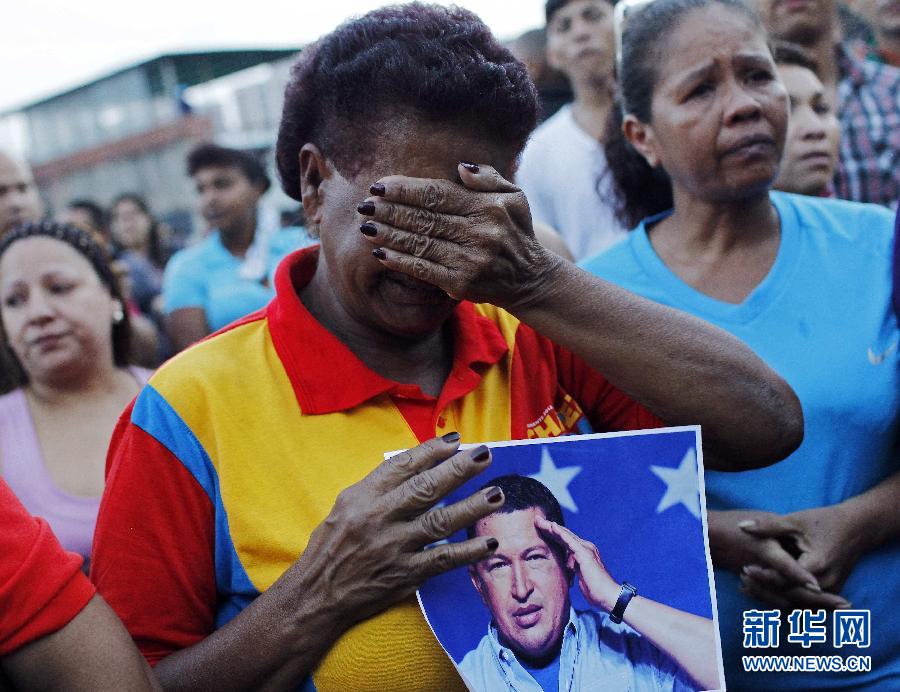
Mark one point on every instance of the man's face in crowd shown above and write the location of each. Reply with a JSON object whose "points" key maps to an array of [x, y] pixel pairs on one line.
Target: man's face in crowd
{"points": [[799, 21], [78, 216], [887, 17], [524, 584], [19, 199], [226, 197], [580, 40]]}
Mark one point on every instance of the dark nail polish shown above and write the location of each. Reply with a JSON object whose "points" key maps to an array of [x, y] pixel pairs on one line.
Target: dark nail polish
{"points": [[368, 229], [379, 253], [493, 495], [451, 437], [366, 208], [481, 454], [469, 166], [377, 189], [492, 544]]}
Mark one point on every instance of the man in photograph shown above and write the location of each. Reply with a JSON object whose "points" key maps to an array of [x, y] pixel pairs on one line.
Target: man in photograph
{"points": [[537, 641]]}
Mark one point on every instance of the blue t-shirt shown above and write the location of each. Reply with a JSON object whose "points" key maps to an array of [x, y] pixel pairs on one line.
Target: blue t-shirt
{"points": [[596, 655], [547, 677], [822, 319], [897, 265], [208, 276]]}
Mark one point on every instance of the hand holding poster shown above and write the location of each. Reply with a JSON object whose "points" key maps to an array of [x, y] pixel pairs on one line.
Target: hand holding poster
{"points": [[602, 578]]}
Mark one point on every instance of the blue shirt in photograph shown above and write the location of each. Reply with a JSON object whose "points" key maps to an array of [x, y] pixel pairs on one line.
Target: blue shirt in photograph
{"points": [[822, 319], [208, 276], [547, 677], [597, 655]]}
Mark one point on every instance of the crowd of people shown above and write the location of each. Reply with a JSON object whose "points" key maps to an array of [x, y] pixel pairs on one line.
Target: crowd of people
{"points": [[231, 506]]}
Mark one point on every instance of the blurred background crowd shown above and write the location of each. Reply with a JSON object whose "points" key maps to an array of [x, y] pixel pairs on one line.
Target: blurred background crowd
{"points": [[125, 155], [157, 180]]}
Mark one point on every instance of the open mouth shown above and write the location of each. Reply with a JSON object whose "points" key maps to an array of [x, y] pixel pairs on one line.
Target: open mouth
{"points": [[527, 616]]}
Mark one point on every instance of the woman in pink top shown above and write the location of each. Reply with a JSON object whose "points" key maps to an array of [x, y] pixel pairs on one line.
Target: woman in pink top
{"points": [[68, 337]]}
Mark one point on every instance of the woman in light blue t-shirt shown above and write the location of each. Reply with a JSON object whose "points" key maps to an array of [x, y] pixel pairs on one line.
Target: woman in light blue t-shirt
{"points": [[806, 283]]}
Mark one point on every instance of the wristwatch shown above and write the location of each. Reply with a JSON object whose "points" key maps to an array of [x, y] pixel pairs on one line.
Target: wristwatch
{"points": [[625, 595]]}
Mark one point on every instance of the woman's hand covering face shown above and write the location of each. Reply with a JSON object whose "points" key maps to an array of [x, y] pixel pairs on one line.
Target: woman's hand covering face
{"points": [[474, 240]]}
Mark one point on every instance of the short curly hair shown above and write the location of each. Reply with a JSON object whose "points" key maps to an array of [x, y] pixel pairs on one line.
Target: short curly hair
{"points": [[442, 64]]}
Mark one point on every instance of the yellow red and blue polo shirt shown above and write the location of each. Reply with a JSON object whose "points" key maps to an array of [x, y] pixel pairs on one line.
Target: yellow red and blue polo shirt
{"points": [[237, 448]]}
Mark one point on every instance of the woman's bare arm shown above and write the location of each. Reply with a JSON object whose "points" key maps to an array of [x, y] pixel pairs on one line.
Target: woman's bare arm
{"points": [[92, 653]]}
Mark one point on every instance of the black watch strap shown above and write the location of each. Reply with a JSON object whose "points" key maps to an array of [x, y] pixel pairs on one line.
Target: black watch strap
{"points": [[625, 595]]}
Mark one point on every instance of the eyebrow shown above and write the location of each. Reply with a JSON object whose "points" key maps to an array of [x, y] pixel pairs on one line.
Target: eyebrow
{"points": [[543, 548], [53, 271], [10, 285], [706, 68], [694, 75], [755, 59], [524, 551]]}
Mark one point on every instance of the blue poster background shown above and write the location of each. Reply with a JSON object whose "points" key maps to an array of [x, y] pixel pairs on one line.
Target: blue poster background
{"points": [[645, 523]]}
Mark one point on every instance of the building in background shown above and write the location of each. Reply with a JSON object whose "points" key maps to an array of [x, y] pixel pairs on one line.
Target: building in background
{"points": [[131, 130]]}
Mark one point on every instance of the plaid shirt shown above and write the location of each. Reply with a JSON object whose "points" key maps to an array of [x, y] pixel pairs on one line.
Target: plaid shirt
{"points": [[868, 97]]}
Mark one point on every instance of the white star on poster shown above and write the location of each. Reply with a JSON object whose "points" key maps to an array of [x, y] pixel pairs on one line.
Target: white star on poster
{"points": [[557, 479], [682, 486]]}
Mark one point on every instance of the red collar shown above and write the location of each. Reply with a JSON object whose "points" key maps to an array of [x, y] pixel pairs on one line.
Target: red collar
{"points": [[328, 377]]}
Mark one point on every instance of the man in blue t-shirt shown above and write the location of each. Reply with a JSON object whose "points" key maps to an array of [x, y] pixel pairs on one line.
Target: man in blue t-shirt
{"points": [[226, 275], [537, 641]]}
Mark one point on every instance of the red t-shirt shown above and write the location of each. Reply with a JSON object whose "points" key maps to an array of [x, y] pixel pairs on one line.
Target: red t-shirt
{"points": [[41, 585]]}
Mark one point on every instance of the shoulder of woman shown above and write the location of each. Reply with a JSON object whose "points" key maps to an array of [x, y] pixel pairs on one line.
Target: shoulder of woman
{"points": [[12, 401], [617, 261], [142, 375], [194, 254], [869, 227]]}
